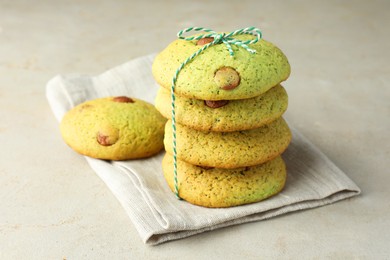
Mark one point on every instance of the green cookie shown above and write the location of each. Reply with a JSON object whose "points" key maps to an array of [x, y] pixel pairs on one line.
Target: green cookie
{"points": [[218, 188], [226, 115], [215, 75], [229, 149], [114, 128]]}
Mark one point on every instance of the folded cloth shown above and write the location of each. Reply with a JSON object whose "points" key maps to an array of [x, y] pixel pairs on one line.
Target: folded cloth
{"points": [[313, 180]]}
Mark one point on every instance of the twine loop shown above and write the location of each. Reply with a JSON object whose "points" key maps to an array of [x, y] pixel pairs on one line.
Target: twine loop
{"points": [[225, 38]]}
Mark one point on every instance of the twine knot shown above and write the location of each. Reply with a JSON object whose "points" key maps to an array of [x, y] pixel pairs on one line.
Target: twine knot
{"points": [[225, 38]]}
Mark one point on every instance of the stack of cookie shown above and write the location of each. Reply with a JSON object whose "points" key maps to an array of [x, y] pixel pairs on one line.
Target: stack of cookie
{"points": [[229, 130]]}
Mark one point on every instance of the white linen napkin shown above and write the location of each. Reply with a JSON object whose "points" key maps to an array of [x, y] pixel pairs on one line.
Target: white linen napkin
{"points": [[313, 180]]}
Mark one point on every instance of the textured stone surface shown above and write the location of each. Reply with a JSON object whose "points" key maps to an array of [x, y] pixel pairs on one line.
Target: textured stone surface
{"points": [[338, 97]]}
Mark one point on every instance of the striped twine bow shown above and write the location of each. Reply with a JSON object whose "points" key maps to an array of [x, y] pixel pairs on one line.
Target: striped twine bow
{"points": [[225, 38]]}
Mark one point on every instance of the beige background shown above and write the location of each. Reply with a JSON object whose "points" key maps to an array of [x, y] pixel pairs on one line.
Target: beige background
{"points": [[53, 206]]}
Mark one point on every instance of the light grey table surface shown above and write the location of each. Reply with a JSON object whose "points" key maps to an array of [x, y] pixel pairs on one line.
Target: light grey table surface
{"points": [[53, 206]]}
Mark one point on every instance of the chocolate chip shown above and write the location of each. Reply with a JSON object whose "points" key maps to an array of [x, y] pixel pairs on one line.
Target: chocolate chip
{"points": [[216, 103], [106, 140], [123, 99], [227, 78], [204, 41]]}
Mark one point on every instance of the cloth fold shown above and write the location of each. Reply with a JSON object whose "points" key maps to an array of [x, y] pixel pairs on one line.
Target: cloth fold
{"points": [[313, 180]]}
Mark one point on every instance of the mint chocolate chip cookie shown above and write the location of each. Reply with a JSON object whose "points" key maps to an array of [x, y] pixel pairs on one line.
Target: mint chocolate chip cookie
{"points": [[215, 75], [216, 188], [225, 115], [114, 128]]}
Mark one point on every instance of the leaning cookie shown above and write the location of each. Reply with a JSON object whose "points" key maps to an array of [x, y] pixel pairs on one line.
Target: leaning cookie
{"points": [[225, 115], [114, 128], [215, 75], [214, 187], [229, 149]]}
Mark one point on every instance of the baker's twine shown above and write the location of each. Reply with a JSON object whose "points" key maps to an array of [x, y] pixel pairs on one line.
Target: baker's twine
{"points": [[225, 38]]}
